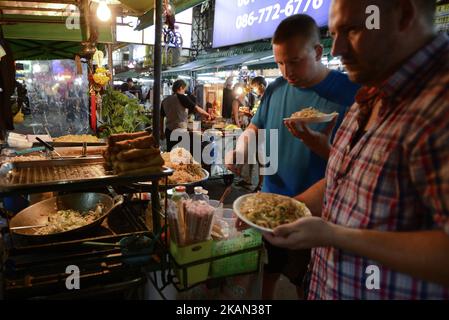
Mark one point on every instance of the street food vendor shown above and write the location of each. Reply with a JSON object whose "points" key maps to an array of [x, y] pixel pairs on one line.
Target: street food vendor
{"points": [[176, 109], [240, 110]]}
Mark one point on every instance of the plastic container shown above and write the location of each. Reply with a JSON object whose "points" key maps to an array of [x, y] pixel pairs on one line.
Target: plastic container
{"points": [[239, 263], [229, 217], [19, 143], [17, 135], [180, 194], [200, 194], [189, 254], [196, 126], [215, 203]]}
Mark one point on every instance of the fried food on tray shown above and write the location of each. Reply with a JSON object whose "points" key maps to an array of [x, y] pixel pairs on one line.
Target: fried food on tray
{"points": [[270, 210], [133, 153], [185, 167], [126, 136], [137, 153], [77, 138], [144, 142]]}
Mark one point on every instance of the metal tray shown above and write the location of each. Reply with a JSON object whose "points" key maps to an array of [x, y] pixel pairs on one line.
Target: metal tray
{"points": [[78, 144], [171, 186], [64, 174]]}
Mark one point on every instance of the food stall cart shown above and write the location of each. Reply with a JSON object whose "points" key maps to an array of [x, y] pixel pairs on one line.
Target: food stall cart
{"points": [[116, 253], [108, 253]]}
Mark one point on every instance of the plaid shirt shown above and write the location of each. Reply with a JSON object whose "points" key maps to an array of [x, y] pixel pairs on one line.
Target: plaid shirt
{"points": [[395, 178]]}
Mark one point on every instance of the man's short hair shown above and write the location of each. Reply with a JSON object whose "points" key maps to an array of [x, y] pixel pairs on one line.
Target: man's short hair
{"points": [[129, 80], [178, 84], [259, 81], [297, 25]]}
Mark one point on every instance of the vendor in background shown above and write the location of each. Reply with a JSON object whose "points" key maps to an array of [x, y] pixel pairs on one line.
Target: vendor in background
{"points": [[126, 86], [130, 89], [176, 109], [242, 117], [22, 98], [240, 114], [228, 97], [212, 108], [258, 86]]}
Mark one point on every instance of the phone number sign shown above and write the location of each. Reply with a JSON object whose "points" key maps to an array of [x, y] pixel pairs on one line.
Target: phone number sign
{"points": [[239, 21]]}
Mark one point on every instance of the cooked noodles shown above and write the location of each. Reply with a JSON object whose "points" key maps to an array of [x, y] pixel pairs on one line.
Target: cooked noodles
{"points": [[185, 167], [65, 220], [308, 113], [270, 210]]}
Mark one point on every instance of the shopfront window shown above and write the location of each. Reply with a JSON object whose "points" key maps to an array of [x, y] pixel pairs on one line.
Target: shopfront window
{"points": [[53, 98]]}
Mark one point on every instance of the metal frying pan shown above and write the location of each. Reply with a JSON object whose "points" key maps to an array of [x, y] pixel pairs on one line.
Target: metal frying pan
{"points": [[37, 214]]}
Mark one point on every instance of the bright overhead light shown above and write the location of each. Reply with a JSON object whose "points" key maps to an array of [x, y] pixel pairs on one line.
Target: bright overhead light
{"points": [[103, 11], [36, 68], [239, 91]]}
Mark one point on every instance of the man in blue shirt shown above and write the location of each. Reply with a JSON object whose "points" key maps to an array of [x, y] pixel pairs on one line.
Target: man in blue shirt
{"points": [[306, 82]]}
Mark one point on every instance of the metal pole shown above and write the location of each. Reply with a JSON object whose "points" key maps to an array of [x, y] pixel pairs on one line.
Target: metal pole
{"points": [[157, 71], [110, 62], [85, 20], [156, 109]]}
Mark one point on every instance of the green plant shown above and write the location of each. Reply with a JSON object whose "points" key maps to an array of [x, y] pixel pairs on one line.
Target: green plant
{"points": [[121, 114]]}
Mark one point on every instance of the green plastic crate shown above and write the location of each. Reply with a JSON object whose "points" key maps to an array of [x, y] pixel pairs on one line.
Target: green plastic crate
{"points": [[239, 263], [189, 254]]}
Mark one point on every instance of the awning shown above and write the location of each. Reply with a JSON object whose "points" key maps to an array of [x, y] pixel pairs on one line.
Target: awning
{"points": [[48, 28], [188, 67], [226, 62], [127, 74], [49, 32], [43, 50], [261, 60]]}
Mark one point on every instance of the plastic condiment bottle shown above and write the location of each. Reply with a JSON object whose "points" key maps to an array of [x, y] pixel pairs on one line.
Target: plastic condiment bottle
{"points": [[180, 194], [200, 194]]}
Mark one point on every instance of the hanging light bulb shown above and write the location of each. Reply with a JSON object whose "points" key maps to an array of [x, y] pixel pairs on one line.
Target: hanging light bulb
{"points": [[37, 68], [103, 11]]}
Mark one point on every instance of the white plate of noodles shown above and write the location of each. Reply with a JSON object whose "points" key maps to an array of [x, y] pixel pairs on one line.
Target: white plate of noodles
{"points": [[266, 211], [311, 115]]}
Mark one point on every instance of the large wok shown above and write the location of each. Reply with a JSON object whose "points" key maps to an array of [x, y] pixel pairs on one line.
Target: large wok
{"points": [[37, 214]]}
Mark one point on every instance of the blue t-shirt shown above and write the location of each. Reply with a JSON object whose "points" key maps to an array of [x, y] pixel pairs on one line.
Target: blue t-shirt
{"points": [[299, 168]]}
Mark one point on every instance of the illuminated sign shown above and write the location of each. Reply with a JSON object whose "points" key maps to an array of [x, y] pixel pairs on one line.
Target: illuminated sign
{"points": [[240, 21]]}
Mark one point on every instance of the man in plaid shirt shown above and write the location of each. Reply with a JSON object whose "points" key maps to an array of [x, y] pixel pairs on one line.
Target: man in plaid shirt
{"points": [[378, 228]]}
